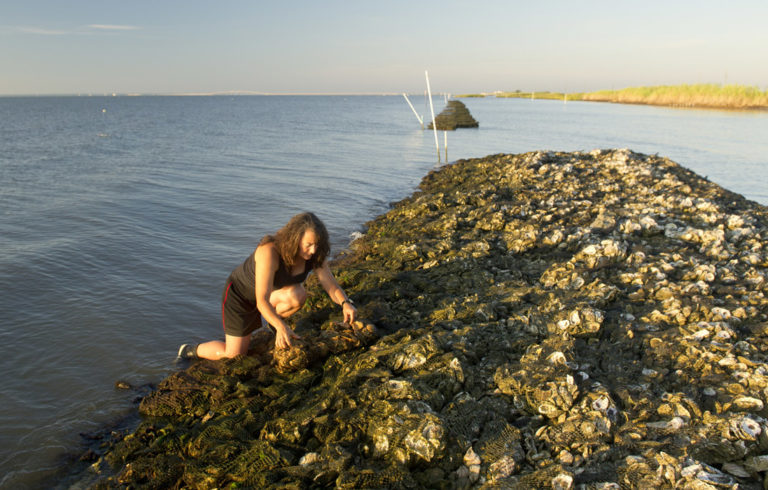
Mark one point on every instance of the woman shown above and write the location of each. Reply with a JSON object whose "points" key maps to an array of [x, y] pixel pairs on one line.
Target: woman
{"points": [[267, 288]]}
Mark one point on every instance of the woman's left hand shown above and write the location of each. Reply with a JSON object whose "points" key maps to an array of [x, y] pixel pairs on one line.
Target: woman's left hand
{"points": [[350, 312]]}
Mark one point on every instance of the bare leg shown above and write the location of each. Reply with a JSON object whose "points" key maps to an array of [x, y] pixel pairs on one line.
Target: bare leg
{"points": [[286, 301], [217, 349]]}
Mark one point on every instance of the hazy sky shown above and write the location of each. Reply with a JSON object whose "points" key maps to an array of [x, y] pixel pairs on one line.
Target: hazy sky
{"points": [[359, 46]]}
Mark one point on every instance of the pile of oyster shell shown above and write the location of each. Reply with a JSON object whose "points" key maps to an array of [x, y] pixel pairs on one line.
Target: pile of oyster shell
{"points": [[547, 320]]}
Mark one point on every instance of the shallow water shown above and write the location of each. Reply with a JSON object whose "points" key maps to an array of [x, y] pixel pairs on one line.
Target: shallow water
{"points": [[120, 218]]}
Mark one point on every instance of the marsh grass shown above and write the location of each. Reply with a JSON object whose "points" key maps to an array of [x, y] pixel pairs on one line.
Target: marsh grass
{"points": [[701, 95]]}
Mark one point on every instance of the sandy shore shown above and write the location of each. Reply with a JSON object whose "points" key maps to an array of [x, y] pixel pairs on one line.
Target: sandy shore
{"points": [[563, 320]]}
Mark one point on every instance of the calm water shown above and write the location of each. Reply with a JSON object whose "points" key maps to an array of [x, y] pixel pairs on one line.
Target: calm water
{"points": [[121, 217]]}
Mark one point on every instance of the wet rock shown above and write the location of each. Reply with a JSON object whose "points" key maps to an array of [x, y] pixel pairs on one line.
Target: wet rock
{"points": [[455, 115], [123, 385]]}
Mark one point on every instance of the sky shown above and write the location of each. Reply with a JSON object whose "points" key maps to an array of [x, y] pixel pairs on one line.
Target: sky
{"points": [[362, 46]]}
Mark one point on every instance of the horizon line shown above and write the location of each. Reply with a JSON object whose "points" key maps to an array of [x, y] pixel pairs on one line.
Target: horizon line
{"points": [[210, 94]]}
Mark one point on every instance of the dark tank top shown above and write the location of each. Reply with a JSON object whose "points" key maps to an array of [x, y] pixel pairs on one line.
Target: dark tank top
{"points": [[242, 278]]}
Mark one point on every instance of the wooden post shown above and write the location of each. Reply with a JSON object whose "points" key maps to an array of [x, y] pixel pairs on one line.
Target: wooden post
{"points": [[445, 145], [421, 120], [432, 110]]}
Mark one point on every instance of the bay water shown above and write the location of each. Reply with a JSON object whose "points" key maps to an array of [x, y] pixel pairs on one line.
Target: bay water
{"points": [[121, 217]]}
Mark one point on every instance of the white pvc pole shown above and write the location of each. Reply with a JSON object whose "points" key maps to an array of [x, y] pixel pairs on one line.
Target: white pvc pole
{"points": [[445, 145], [432, 110], [414, 111]]}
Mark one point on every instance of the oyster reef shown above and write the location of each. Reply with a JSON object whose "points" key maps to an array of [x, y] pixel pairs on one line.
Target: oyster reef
{"points": [[543, 320]]}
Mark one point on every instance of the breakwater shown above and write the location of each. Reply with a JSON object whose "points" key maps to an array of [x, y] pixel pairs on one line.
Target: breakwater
{"points": [[455, 115], [541, 320]]}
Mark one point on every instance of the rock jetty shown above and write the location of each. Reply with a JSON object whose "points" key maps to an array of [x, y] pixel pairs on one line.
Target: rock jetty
{"points": [[544, 320], [455, 115]]}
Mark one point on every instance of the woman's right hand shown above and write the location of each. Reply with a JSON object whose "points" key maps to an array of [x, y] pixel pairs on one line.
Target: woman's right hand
{"points": [[284, 336]]}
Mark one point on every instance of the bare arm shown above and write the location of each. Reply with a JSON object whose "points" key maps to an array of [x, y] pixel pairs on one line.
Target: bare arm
{"points": [[266, 263], [335, 292]]}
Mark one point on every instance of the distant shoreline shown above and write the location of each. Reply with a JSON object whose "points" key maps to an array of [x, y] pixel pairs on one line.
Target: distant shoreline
{"points": [[213, 94], [702, 96]]}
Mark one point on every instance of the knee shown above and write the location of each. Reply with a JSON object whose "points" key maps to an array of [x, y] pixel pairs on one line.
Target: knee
{"points": [[289, 299], [297, 295]]}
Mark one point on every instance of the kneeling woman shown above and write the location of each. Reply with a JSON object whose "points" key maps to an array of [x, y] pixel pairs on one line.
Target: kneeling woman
{"points": [[268, 288]]}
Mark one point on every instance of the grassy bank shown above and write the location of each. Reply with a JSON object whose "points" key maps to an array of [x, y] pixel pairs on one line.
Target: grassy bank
{"points": [[700, 95]]}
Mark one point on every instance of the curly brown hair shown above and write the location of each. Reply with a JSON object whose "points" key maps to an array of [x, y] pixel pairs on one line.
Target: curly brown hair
{"points": [[288, 239]]}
